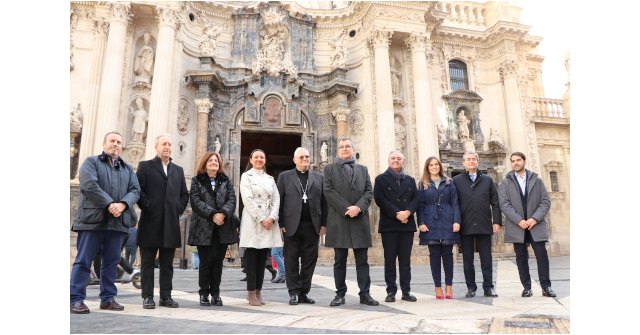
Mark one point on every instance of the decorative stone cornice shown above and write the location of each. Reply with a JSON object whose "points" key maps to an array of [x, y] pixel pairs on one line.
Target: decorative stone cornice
{"points": [[168, 17], [204, 105], [341, 114], [508, 68], [120, 11], [380, 38]]}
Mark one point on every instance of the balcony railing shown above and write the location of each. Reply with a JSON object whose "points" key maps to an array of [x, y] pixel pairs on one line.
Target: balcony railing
{"points": [[545, 107]]}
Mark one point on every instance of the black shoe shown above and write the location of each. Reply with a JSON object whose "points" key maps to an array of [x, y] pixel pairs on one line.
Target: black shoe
{"points": [[368, 300], [490, 293], [548, 292], [337, 301], [168, 302], [470, 293], [305, 299], [204, 300], [294, 299], [391, 297], [526, 293], [409, 297], [215, 300], [148, 303]]}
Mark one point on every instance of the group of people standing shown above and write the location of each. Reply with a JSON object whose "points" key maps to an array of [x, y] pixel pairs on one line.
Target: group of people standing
{"points": [[293, 212]]}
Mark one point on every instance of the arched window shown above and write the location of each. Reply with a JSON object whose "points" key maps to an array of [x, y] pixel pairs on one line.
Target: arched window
{"points": [[553, 177], [458, 75]]}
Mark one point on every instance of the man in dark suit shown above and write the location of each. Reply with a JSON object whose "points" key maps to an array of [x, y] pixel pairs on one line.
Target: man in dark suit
{"points": [[397, 196], [303, 218], [481, 218], [347, 188], [163, 198]]}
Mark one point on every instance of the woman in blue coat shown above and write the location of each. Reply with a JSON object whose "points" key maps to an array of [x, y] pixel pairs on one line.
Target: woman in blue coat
{"points": [[439, 222]]}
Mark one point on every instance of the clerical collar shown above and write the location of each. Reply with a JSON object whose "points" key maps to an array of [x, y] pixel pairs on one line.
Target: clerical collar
{"points": [[302, 172]]}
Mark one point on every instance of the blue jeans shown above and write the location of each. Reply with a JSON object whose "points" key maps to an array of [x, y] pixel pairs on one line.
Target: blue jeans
{"points": [[195, 260], [276, 253], [88, 244]]}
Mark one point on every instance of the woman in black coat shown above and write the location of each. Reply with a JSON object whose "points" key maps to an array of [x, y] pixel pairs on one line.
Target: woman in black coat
{"points": [[213, 226], [439, 222]]}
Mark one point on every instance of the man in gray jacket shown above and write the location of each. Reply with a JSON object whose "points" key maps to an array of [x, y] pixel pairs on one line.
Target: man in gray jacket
{"points": [[348, 190], [108, 190], [525, 203]]}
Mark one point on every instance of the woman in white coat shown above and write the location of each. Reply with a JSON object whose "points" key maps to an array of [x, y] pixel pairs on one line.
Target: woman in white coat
{"points": [[259, 230]]}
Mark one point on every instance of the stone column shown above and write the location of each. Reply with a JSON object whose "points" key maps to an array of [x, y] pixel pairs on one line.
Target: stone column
{"points": [[111, 84], [341, 114], [379, 41], [426, 127], [89, 136], [204, 107], [162, 78], [515, 118]]}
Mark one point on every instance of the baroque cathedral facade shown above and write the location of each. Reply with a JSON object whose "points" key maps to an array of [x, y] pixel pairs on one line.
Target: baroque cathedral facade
{"points": [[427, 78]]}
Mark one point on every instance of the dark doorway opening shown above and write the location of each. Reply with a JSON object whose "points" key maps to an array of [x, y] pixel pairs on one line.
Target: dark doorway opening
{"points": [[278, 149]]}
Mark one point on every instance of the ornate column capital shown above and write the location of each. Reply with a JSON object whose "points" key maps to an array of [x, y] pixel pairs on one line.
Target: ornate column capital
{"points": [[417, 42], [100, 28], [120, 11], [380, 38], [509, 67], [167, 17], [204, 105], [341, 114]]}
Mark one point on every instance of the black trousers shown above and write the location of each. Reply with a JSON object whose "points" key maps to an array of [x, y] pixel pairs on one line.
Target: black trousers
{"points": [[148, 260], [441, 256], [210, 271], [484, 249], [397, 245], [522, 260], [340, 270], [300, 258], [254, 264]]}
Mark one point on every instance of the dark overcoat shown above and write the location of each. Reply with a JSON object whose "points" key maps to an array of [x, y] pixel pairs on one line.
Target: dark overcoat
{"points": [[340, 192], [163, 198], [478, 201], [393, 198], [205, 203], [291, 200]]}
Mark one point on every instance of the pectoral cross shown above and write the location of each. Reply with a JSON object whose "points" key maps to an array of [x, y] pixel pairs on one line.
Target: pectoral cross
{"points": [[304, 198]]}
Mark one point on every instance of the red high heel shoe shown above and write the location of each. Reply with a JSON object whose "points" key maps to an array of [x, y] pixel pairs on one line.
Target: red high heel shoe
{"points": [[449, 290], [439, 294]]}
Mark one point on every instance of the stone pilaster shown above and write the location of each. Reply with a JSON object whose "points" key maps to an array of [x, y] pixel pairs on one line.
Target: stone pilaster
{"points": [[162, 77], [515, 118], [111, 85], [89, 137], [341, 115], [204, 107], [380, 41], [426, 134]]}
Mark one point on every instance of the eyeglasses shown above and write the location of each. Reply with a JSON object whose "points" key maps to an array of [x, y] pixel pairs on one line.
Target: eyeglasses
{"points": [[346, 146]]}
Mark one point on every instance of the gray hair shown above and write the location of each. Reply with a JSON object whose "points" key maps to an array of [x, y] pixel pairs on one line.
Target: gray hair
{"points": [[298, 149], [158, 138], [342, 139], [395, 151], [104, 140], [467, 153]]}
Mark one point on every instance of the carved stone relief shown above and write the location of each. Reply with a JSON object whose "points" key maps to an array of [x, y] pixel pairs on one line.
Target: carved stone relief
{"points": [[184, 115], [400, 132], [209, 38], [272, 111], [339, 52], [356, 125]]}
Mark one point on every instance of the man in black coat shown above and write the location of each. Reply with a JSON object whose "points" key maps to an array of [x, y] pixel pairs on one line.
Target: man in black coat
{"points": [[303, 219], [397, 196], [163, 198], [481, 218]]}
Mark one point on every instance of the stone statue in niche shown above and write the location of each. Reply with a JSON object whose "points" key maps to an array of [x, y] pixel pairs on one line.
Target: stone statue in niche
{"points": [[496, 143], [143, 65], [463, 125], [272, 111], [140, 118], [324, 152], [396, 73], [401, 133], [339, 51], [183, 117], [76, 119], [208, 40], [217, 145]]}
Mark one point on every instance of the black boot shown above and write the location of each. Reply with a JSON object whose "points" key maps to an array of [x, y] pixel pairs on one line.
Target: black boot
{"points": [[272, 270]]}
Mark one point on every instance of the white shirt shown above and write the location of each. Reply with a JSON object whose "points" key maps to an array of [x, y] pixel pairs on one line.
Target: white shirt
{"points": [[164, 167], [522, 180]]}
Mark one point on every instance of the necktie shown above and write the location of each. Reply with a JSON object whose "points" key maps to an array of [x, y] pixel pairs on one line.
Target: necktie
{"points": [[473, 177]]}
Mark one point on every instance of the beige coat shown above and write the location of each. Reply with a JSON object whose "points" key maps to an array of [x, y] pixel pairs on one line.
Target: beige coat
{"points": [[261, 200]]}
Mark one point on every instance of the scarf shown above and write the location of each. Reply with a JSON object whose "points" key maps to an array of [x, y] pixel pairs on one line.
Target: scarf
{"points": [[398, 176], [347, 165]]}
